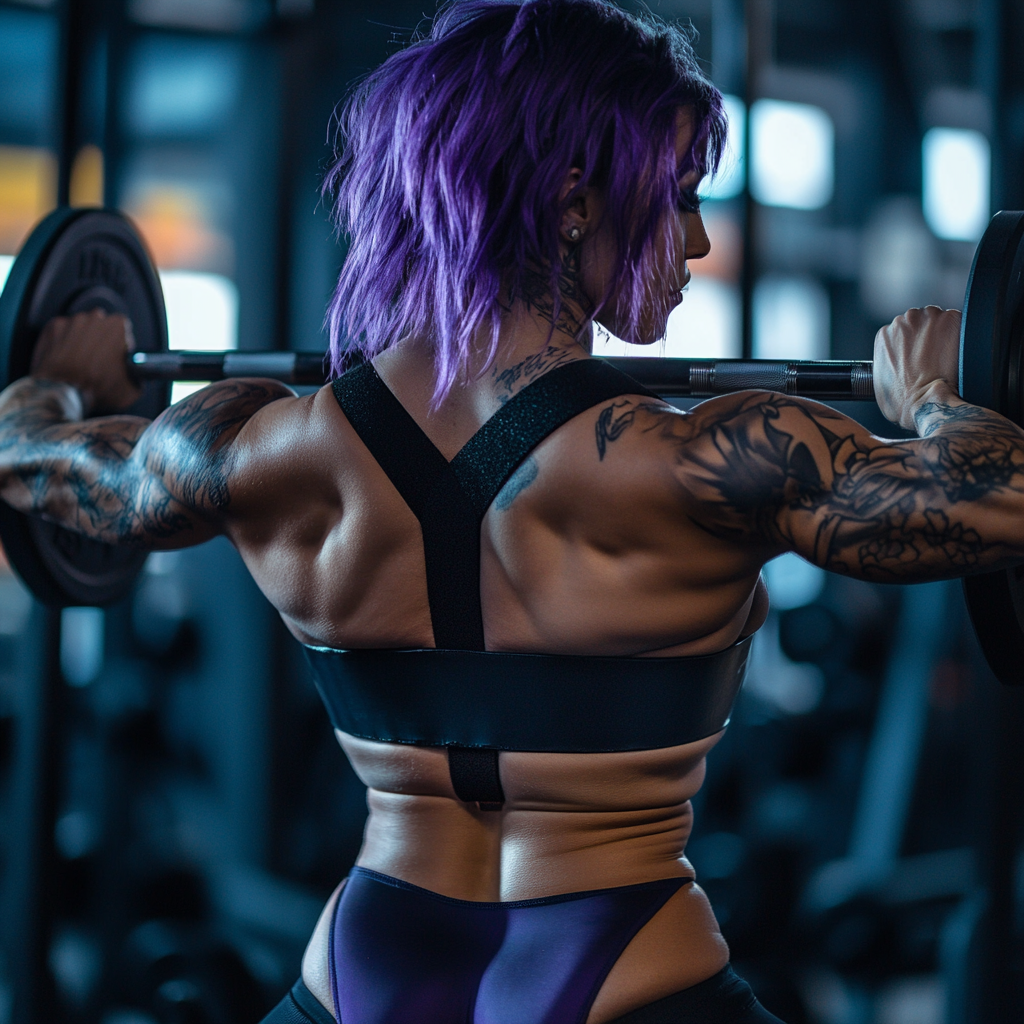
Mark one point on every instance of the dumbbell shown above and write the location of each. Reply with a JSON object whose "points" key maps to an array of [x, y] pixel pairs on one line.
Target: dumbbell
{"points": [[76, 260]]}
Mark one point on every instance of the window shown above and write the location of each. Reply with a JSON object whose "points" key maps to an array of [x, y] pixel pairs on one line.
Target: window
{"points": [[956, 178], [792, 146]]}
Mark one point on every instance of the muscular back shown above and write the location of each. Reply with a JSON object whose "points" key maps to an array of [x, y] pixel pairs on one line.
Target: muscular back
{"points": [[587, 549]]}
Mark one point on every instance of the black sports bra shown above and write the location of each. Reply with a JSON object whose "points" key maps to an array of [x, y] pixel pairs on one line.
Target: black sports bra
{"points": [[460, 696]]}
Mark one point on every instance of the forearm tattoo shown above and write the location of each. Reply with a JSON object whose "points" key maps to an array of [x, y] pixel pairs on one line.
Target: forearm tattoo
{"points": [[794, 475], [122, 479]]}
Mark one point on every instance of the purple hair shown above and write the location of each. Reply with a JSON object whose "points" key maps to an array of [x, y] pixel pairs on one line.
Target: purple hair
{"points": [[450, 157]]}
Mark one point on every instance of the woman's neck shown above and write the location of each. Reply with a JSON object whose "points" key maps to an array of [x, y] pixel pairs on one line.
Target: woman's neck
{"points": [[527, 349], [530, 344], [534, 298]]}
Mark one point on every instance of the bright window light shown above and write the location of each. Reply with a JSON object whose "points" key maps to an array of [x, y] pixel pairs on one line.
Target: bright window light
{"points": [[202, 315], [705, 326], [793, 154], [202, 310], [791, 319], [957, 167], [6, 262], [608, 344], [183, 388], [728, 182]]}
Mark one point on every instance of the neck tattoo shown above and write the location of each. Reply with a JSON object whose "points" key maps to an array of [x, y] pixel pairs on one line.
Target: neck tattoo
{"points": [[574, 311]]}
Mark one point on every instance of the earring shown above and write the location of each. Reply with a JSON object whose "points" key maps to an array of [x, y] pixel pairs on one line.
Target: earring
{"points": [[574, 234]]}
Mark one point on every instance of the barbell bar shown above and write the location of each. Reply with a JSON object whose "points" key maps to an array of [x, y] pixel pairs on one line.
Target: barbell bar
{"points": [[826, 380], [77, 260]]}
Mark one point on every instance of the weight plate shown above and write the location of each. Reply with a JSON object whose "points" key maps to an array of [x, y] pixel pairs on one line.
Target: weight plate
{"points": [[990, 376], [76, 260]]}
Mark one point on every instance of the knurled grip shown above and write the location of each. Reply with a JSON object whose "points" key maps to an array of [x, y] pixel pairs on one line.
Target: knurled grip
{"points": [[862, 383], [724, 377], [807, 379]]}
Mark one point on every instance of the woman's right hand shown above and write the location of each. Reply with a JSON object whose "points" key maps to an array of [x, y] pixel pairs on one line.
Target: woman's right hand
{"points": [[89, 351], [913, 352]]}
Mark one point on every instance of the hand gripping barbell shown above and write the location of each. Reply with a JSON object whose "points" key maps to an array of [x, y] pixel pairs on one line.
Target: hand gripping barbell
{"points": [[76, 260]]}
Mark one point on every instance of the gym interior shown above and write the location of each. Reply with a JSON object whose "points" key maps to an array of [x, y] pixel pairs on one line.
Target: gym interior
{"points": [[174, 809]]}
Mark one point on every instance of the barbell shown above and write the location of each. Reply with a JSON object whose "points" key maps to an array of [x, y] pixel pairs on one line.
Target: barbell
{"points": [[76, 260]]}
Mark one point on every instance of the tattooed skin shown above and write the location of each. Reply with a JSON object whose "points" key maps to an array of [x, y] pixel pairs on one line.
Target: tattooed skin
{"points": [[516, 484], [513, 378], [112, 478], [798, 476], [616, 418], [535, 295]]}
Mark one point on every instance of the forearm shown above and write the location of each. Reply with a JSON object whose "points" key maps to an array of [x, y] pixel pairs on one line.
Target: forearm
{"points": [[84, 474], [976, 457], [947, 504], [940, 411]]}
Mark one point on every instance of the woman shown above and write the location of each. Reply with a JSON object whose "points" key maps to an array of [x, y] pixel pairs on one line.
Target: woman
{"points": [[526, 586], [519, 173]]}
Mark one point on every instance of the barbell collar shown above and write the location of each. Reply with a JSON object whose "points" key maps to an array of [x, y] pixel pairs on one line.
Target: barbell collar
{"points": [[827, 380]]}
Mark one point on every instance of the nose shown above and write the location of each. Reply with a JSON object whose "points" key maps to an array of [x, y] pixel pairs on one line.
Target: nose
{"points": [[698, 245]]}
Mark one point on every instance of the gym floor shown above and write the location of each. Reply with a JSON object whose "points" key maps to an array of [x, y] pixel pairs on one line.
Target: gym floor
{"points": [[174, 809]]}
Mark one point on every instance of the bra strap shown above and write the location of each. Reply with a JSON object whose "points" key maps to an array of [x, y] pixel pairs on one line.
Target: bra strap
{"points": [[497, 449], [426, 482]]}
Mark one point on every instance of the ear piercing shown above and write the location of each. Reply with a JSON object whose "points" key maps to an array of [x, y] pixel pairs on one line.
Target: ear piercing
{"points": [[574, 234]]}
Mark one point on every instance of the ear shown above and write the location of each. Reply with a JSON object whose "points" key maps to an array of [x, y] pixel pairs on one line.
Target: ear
{"points": [[579, 218]]}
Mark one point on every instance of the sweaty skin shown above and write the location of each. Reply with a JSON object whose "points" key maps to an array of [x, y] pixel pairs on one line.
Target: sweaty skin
{"points": [[634, 529]]}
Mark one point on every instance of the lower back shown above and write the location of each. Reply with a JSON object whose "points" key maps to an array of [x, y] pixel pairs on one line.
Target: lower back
{"points": [[570, 821]]}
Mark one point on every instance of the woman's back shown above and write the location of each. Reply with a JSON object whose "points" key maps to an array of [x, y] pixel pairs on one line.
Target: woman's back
{"points": [[587, 550], [591, 547]]}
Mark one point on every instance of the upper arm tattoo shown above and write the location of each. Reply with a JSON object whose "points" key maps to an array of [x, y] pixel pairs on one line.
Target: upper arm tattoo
{"points": [[612, 421], [798, 476], [122, 479]]}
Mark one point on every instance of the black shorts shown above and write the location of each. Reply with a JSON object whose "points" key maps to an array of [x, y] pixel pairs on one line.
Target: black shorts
{"points": [[724, 998]]}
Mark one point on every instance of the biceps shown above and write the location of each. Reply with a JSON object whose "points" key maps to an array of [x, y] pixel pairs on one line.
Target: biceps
{"points": [[126, 480], [87, 476]]}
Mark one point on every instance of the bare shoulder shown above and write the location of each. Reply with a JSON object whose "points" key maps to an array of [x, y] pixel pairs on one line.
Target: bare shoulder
{"points": [[285, 451], [747, 414]]}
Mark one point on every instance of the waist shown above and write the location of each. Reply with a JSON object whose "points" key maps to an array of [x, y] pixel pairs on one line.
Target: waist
{"points": [[614, 819]]}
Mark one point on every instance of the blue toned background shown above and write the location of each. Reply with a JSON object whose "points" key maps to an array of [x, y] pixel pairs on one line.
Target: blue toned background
{"points": [[164, 854]]}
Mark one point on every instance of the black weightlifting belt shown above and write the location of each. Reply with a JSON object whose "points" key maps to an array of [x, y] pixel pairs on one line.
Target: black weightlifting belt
{"points": [[475, 702], [553, 702]]}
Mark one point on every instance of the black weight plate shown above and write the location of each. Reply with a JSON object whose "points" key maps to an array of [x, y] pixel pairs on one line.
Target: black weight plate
{"points": [[990, 376], [76, 260]]}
